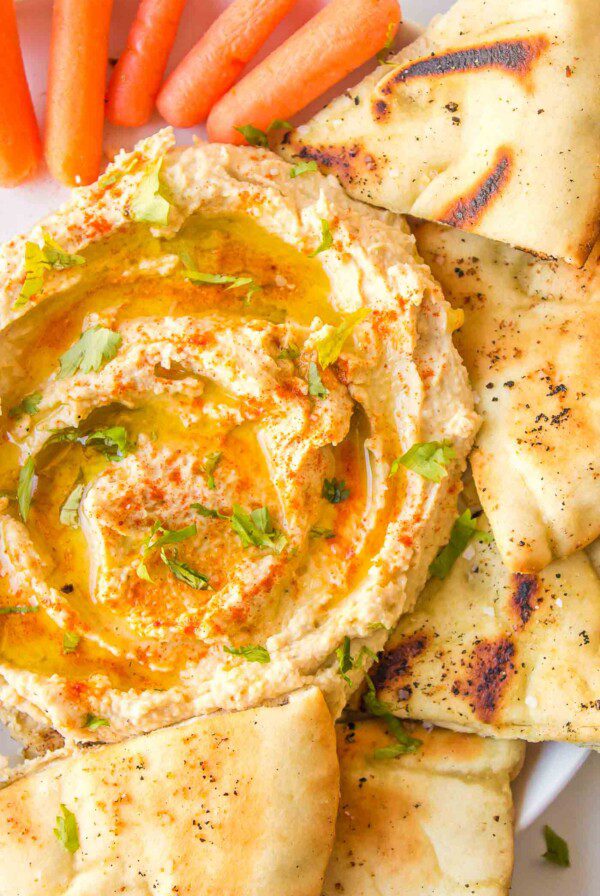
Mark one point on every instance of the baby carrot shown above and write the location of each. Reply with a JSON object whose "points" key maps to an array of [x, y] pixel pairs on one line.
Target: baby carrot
{"points": [[338, 39], [215, 63], [76, 88], [137, 77], [20, 145]]}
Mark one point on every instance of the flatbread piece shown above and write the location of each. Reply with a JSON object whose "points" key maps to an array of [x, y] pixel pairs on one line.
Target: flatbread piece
{"points": [[239, 803], [489, 121], [502, 654], [439, 821], [530, 343]]}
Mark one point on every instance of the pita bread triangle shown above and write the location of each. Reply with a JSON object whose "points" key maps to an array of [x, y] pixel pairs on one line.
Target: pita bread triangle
{"points": [[530, 342], [488, 122], [438, 821], [502, 654], [238, 803]]}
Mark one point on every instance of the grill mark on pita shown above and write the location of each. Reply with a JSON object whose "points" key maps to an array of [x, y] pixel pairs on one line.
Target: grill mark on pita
{"points": [[398, 662], [515, 57], [589, 238], [468, 210], [524, 596], [491, 667], [347, 162]]}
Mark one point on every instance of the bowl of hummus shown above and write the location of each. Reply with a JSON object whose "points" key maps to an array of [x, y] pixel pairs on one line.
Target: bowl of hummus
{"points": [[211, 360]]}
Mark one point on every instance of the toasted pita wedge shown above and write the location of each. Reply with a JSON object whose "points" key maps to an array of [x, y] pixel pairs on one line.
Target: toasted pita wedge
{"points": [[241, 803], [488, 122], [502, 654], [439, 821], [530, 342]]}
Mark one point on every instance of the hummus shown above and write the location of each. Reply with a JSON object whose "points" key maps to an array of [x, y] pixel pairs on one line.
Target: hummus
{"points": [[205, 382]]}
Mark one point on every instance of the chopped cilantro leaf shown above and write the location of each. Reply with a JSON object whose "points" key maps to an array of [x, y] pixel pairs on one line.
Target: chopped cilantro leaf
{"points": [[185, 573], [393, 750], [206, 511], [70, 642], [164, 537], [142, 571], [320, 532], [405, 743], [344, 658], [330, 346], [211, 462], [112, 442], [254, 653], [94, 722], [289, 353], [346, 661], [201, 277], [279, 124], [428, 459], [383, 54], [69, 511], [25, 487], [170, 536], [150, 203], [68, 434], [335, 491], [463, 531], [557, 849], [254, 287], [253, 136], [315, 383], [66, 829], [326, 239], [372, 702], [255, 528], [303, 168], [94, 348], [28, 405], [19, 609], [39, 259], [233, 281]]}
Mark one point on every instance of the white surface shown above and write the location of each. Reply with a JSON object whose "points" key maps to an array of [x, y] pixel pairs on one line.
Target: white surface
{"points": [[575, 815], [549, 767], [547, 770]]}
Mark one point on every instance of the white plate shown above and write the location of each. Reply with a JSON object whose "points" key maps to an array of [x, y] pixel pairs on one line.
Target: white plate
{"points": [[548, 767]]}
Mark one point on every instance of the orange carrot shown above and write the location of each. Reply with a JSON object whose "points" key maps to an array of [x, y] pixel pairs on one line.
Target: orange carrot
{"points": [[76, 88], [20, 145], [138, 74], [217, 60], [333, 43]]}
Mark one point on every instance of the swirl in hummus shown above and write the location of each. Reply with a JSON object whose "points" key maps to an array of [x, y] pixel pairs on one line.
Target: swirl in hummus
{"points": [[199, 417]]}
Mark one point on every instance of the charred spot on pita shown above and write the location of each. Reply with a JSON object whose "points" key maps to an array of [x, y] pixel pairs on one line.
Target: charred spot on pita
{"points": [[468, 210], [347, 162], [490, 668], [397, 662], [524, 595], [515, 56]]}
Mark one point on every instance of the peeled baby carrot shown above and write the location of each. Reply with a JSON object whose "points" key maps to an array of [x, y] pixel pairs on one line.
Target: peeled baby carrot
{"points": [[215, 63], [76, 88], [20, 145], [338, 39], [137, 77]]}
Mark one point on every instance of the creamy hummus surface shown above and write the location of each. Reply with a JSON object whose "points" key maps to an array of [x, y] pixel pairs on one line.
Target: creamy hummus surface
{"points": [[205, 381]]}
